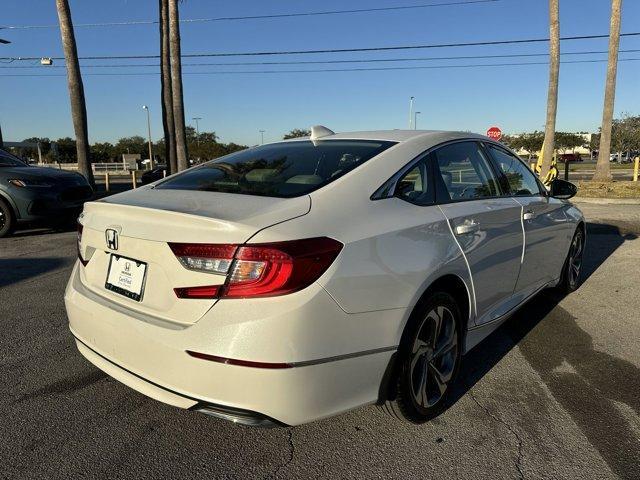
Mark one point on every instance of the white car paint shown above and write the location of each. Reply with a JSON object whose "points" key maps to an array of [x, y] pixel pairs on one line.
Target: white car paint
{"points": [[338, 335]]}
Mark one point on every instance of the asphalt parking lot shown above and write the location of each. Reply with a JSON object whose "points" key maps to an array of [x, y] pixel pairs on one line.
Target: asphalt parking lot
{"points": [[554, 393]]}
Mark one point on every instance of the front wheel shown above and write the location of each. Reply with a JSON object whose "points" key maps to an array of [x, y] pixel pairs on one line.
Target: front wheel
{"points": [[572, 269], [7, 222], [428, 360]]}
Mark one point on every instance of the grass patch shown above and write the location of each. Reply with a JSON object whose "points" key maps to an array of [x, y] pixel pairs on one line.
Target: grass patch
{"points": [[592, 189], [573, 167]]}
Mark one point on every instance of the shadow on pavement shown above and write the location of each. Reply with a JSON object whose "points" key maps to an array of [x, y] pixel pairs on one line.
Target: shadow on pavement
{"points": [[14, 270], [586, 382]]}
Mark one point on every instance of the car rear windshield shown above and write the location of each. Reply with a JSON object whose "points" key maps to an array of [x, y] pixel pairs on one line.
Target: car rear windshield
{"points": [[286, 169]]}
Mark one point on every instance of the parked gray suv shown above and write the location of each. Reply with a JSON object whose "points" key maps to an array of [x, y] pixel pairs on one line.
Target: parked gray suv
{"points": [[33, 194]]}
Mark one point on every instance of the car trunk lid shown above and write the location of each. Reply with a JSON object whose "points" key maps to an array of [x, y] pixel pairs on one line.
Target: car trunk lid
{"points": [[145, 223]]}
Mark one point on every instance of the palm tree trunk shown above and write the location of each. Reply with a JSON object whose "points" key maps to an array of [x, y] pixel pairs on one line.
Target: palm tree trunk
{"points": [[552, 96], [168, 123], [76, 90], [176, 86], [603, 170]]}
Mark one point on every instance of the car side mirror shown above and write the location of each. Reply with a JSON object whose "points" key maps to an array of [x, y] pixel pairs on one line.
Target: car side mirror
{"points": [[562, 189]]}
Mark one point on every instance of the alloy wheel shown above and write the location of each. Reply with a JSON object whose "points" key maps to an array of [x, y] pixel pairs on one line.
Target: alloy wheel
{"points": [[434, 356], [575, 258]]}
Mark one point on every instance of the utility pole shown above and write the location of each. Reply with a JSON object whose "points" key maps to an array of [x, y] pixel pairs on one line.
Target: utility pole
{"points": [[410, 111], [149, 136], [261, 137], [197, 119], [415, 120]]}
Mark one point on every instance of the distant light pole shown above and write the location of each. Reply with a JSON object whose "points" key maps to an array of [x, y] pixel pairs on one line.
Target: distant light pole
{"points": [[261, 137], [197, 119], [149, 134], [410, 111], [415, 120]]}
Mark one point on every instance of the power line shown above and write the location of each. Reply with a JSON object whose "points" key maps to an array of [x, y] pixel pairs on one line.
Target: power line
{"points": [[328, 70], [329, 62], [260, 17], [334, 50]]}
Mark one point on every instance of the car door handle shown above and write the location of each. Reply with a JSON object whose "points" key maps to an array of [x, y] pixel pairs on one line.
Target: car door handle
{"points": [[529, 215], [467, 227]]}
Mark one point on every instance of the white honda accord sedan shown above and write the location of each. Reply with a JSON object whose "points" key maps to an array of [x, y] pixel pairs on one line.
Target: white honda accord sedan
{"points": [[297, 280]]}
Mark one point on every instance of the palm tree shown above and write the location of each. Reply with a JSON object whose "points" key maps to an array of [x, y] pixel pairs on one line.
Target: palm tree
{"points": [[76, 89], [168, 123], [603, 170], [176, 86], [552, 96]]}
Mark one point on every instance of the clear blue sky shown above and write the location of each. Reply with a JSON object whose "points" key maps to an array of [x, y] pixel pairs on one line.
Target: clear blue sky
{"points": [[238, 106]]}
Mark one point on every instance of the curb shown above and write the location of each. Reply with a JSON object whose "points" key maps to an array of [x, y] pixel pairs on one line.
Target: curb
{"points": [[606, 201]]}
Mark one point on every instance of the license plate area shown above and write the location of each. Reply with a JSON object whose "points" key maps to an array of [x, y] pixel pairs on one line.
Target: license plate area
{"points": [[126, 276]]}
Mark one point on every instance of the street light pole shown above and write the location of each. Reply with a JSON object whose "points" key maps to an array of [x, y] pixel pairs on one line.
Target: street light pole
{"points": [[197, 119], [415, 120], [410, 111], [149, 135], [261, 137]]}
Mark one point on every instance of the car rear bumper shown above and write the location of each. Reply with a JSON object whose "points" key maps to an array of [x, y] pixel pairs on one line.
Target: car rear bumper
{"points": [[152, 359]]}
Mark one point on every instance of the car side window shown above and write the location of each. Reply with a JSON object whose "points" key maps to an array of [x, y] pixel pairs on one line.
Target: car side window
{"points": [[519, 178], [415, 186], [463, 173]]}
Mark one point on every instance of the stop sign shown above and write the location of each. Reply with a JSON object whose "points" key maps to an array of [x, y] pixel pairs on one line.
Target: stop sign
{"points": [[494, 133]]}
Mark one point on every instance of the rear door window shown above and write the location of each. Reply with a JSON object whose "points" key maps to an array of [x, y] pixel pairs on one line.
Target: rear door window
{"points": [[286, 169]]}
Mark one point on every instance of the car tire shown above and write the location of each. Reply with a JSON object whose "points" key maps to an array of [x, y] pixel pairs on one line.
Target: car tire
{"points": [[572, 268], [428, 361], [7, 219]]}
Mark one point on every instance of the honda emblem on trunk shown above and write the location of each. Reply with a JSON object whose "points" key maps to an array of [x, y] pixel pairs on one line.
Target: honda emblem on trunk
{"points": [[112, 238]]}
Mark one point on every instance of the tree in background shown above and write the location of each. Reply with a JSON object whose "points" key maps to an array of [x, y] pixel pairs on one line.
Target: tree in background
{"points": [[297, 133], [552, 96], [603, 170], [103, 152], [64, 150], [625, 135], [569, 141], [168, 123], [594, 144], [76, 90], [45, 147], [530, 142], [135, 144], [176, 86]]}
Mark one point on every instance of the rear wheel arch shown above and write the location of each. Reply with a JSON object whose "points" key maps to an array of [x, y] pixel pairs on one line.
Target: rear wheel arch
{"points": [[454, 286]]}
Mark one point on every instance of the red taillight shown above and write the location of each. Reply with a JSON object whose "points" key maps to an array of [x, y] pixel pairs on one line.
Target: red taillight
{"points": [[82, 260], [270, 269], [266, 269], [198, 292]]}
